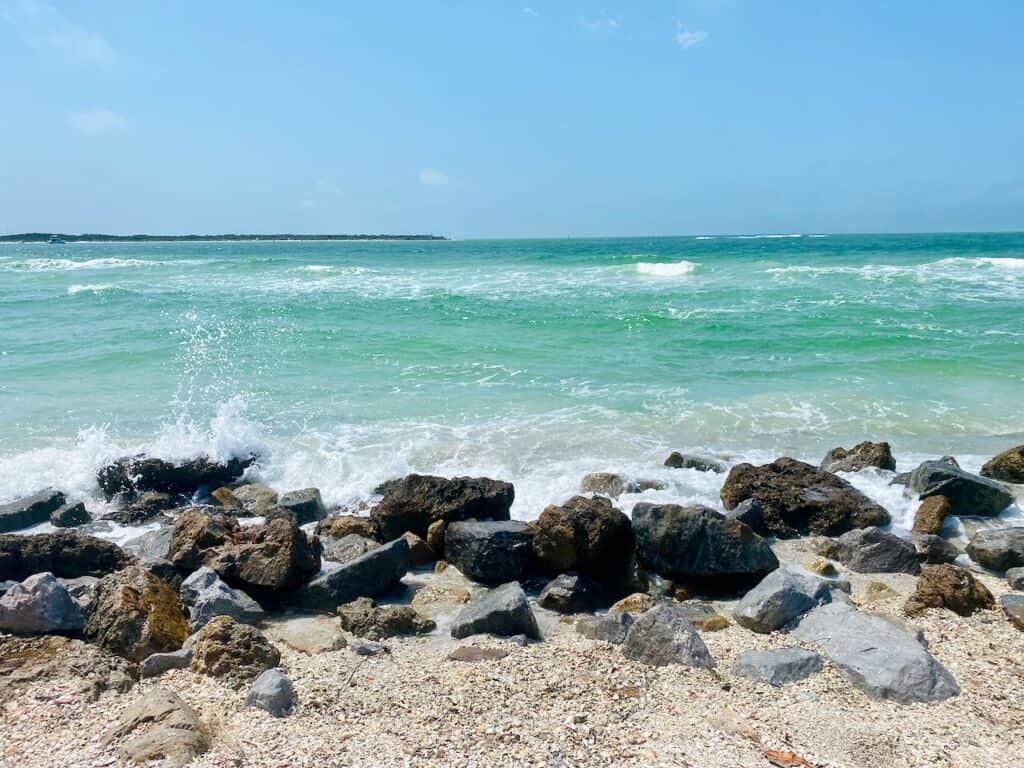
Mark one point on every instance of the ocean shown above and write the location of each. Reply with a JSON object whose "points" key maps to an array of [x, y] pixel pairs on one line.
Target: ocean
{"points": [[343, 364]]}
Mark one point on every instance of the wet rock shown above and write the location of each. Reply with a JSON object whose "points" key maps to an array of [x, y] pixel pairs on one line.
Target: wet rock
{"points": [[861, 456], [662, 636], [947, 586], [415, 501], [501, 611], [156, 664], [678, 460], [875, 655], [272, 692], [797, 499], [931, 514], [609, 628], [1008, 466], [307, 634], [780, 598], [1015, 578], [1013, 607], [420, 552], [998, 549], [471, 653], [166, 730], [777, 667], [30, 510], [343, 525], [66, 554], [70, 516], [306, 505], [39, 605], [51, 657], [366, 576], [933, 549], [255, 498], [571, 593], [208, 596], [750, 513], [700, 547], [364, 618], [606, 483], [235, 652], [967, 494], [132, 475], [872, 550], [491, 551]]}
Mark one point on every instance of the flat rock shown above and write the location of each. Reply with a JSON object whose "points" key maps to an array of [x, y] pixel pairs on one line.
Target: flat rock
{"points": [[778, 667], [471, 653], [967, 494], [861, 456], [662, 636], [488, 551], [307, 634], [156, 664], [366, 576], [272, 692], [51, 657], [40, 605], [163, 728], [1013, 607], [608, 628], [998, 549], [413, 502], [781, 597], [872, 550], [501, 611], [363, 618], [30, 510]]}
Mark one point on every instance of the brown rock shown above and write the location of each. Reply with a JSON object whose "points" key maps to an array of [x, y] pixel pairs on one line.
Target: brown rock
{"points": [[364, 618], [1008, 466], [420, 553], [24, 660], [861, 456], [948, 586], [343, 525], [635, 604], [415, 501], [165, 728], [195, 534], [65, 554], [589, 536], [225, 497], [931, 514], [471, 653], [435, 536], [236, 652]]}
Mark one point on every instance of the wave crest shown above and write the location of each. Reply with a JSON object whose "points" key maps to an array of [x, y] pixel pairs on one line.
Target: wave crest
{"points": [[660, 269]]}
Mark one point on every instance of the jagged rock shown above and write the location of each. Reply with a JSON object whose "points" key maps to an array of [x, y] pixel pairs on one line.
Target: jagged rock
{"points": [[343, 525], [347, 548], [1008, 466], [875, 655], [208, 596], [998, 548], [700, 547], [502, 611], [170, 731], [236, 652], [588, 536], [272, 692], [306, 505], [415, 501], [420, 552], [30, 511], [366, 576], [489, 551], [781, 597], [636, 603], [777, 667], [749, 512], [70, 516], [967, 494], [136, 474], [40, 605], [307, 634], [933, 549], [872, 550], [163, 570], [255, 498], [947, 586], [663, 635], [931, 514], [571, 593], [678, 460], [156, 664], [703, 617], [797, 499], [1013, 607], [66, 554], [150, 505], [364, 618], [51, 657], [1015, 578], [609, 628], [861, 456]]}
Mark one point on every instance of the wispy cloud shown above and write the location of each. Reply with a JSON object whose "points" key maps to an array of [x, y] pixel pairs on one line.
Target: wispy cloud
{"points": [[96, 122], [47, 29], [688, 39], [530, 11], [431, 177], [602, 23]]}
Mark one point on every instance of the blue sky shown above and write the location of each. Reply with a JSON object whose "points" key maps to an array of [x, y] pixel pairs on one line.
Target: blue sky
{"points": [[478, 119]]}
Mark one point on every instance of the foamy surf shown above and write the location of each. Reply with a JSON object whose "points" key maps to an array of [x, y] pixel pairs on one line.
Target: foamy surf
{"points": [[658, 269]]}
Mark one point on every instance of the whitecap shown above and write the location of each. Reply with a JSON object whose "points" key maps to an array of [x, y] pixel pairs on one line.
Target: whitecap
{"points": [[90, 288], [658, 269]]}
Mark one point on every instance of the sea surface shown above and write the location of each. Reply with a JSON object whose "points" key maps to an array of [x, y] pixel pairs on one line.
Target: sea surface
{"points": [[343, 364]]}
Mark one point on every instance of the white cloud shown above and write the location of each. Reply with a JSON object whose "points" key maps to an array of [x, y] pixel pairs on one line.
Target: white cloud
{"points": [[431, 177], [46, 28], [530, 11], [601, 23], [96, 122], [688, 39]]}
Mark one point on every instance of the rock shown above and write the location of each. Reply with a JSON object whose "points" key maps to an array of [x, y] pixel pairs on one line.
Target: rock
{"points": [[605, 483], [861, 456], [571, 593], [156, 664], [40, 605], [6, 585], [588, 536], [700, 547], [366, 576], [137, 474], [778, 667], [875, 655], [306, 504], [151, 545], [224, 497], [933, 549], [931, 514], [307, 634], [872, 550], [749, 512], [678, 460], [491, 551], [636, 603], [1015, 578], [967, 494], [998, 549], [821, 567], [163, 570], [272, 692], [208, 596], [471, 653], [51, 657], [781, 597], [415, 501], [150, 505], [368, 648], [435, 536], [876, 591], [433, 600], [82, 590], [364, 618], [501, 611], [663, 635], [70, 516], [195, 536], [343, 525], [703, 617], [255, 498], [1008, 466], [1013, 607], [236, 652], [30, 511], [420, 552], [609, 628], [170, 731], [347, 548], [947, 586]]}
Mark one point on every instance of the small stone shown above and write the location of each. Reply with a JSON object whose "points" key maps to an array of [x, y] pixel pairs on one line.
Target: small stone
{"points": [[677, 460], [500, 611], [419, 552], [471, 653], [368, 648], [307, 634], [272, 692]]}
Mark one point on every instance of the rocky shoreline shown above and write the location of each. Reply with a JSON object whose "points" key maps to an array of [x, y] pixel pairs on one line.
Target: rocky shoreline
{"points": [[251, 626]]}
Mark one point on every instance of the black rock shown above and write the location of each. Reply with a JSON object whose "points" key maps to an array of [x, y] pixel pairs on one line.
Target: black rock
{"points": [[502, 611], [32, 510], [65, 554], [306, 505], [571, 593], [969, 495], [135, 474], [932, 549], [677, 460], [70, 516], [490, 552], [872, 550], [366, 576], [749, 512]]}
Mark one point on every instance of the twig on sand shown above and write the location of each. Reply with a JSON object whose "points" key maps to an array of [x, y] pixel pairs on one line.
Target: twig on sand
{"points": [[355, 669]]}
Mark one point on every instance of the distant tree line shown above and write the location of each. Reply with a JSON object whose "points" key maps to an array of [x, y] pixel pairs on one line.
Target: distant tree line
{"points": [[41, 237]]}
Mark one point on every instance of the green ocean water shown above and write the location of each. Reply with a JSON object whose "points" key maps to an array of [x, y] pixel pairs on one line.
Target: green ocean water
{"points": [[344, 363]]}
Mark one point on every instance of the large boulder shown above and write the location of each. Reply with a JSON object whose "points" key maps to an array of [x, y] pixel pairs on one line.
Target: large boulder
{"points": [[66, 554], [364, 618], [778, 666], [40, 605], [305, 504], [933, 549], [134, 614], [872, 550], [797, 499], [588, 536], [30, 511], [167, 732], [998, 549], [571, 593], [207, 596], [968, 495], [502, 611], [367, 576], [947, 586], [931, 514], [861, 456], [700, 547], [780, 598], [415, 501], [488, 551], [272, 692], [877, 656], [235, 652], [663, 635], [136, 474], [151, 545], [1008, 466]]}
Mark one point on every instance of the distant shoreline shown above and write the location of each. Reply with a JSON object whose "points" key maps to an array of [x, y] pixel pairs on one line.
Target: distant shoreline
{"points": [[40, 237]]}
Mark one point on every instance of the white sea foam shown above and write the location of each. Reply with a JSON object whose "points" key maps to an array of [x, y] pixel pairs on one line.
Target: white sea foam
{"points": [[659, 269], [332, 269], [91, 288], [767, 237], [73, 265]]}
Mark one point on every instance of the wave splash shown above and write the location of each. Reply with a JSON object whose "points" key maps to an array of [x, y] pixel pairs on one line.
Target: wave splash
{"points": [[660, 269]]}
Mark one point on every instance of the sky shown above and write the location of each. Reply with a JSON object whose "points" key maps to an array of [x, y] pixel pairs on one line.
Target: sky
{"points": [[505, 119]]}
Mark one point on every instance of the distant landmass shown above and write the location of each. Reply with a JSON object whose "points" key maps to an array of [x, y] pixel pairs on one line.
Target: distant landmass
{"points": [[41, 237]]}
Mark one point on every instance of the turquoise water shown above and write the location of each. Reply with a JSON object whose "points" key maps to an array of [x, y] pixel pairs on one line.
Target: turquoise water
{"points": [[532, 360]]}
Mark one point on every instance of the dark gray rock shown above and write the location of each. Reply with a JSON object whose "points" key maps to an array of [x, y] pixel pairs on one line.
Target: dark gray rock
{"points": [[571, 593], [861, 456], [877, 656], [306, 505], [366, 576], [32, 510], [164, 570], [272, 692], [609, 627], [207, 596], [347, 547], [663, 635], [156, 664], [490, 552], [969, 495], [677, 460], [1015, 578], [136, 474], [872, 550], [749, 513], [66, 554], [932, 549], [70, 516], [40, 605], [501, 611], [998, 548], [780, 598], [778, 667], [368, 648]]}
